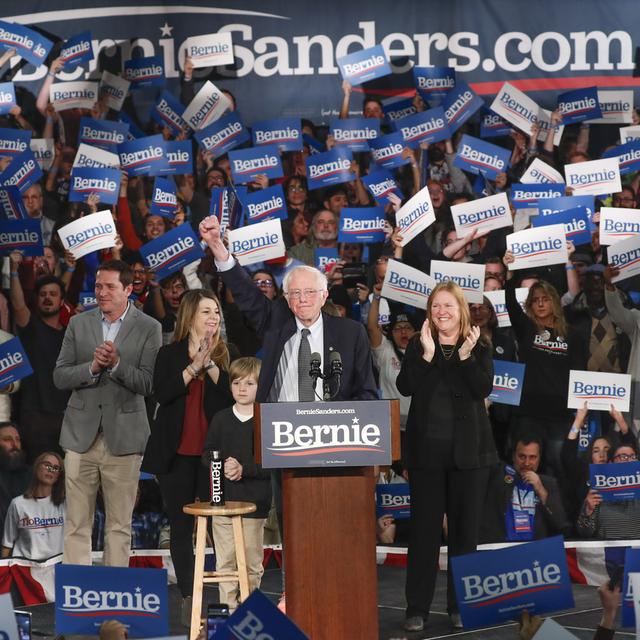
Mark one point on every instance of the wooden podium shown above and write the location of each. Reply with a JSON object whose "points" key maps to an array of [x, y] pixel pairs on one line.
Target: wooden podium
{"points": [[330, 545]]}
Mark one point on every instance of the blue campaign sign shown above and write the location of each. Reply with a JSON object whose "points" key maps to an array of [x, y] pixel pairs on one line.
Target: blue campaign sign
{"points": [[365, 224], [22, 172], [564, 203], [433, 83], [21, 235], [387, 151], [354, 133], [76, 50], [380, 183], [314, 145], [265, 204], [616, 481], [477, 156], [575, 221], [143, 73], [393, 500], [87, 299], [492, 125], [143, 156], [224, 134], [631, 565], [134, 130], [87, 596], [167, 112], [86, 181], [508, 378], [104, 134], [460, 104], [248, 164], [330, 167], [496, 586], [14, 141], [11, 204], [579, 105], [526, 196], [286, 133], [397, 108], [172, 251], [7, 97], [29, 44], [364, 65], [425, 126], [179, 155], [628, 156], [164, 201], [323, 258], [14, 364]]}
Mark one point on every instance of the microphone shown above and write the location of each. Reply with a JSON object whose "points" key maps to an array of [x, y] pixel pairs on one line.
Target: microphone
{"points": [[335, 364], [315, 372]]}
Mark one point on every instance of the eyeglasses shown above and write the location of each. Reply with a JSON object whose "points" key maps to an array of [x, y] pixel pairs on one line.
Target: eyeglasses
{"points": [[293, 187], [627, 200], [625, 457], [53, 468], [296, 294], [264, 283]]}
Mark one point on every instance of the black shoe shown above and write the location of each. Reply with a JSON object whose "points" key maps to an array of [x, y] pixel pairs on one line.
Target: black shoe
{"points": [[414, 623]]}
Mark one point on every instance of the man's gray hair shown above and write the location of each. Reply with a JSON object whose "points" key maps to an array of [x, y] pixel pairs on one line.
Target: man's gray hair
{"points": [[320, 277]]}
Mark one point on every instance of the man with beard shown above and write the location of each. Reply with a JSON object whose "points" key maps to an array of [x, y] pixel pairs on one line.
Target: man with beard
{"points": [[323, 235], [42, 405], [140, 281], [14, 473]]}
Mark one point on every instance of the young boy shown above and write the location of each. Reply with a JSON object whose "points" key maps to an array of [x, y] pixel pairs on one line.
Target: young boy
{"points": [[231, 433]]}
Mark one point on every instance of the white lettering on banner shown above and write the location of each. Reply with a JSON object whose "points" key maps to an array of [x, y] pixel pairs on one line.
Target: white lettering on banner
{"points": [[388, 500], [380, 189], [464, 282], [577, 106], [77, 600], [11, 361], [152, 71], [260, 209], [322, 170], [77, 239], [250, 628], [167, 112], [248, 246], [279, 135], [530, 196], [5, 97], [505, 381], [302, 437], [625, 259], [9, 38], [354, 135], [481, 158], [11, 146], [170, 253], [552, 345], [28, 167], [431, 126], [18, 238], [436, 83], [407, 285], [164, 197], [93, 184], [356, 68], [456, 108], [177, 157], [76, 50], [633, 155], [512, 105], [142, 155], [215, 139], [387, 152], [602, 481], [351, 224], [398, 114], [247, 166]]}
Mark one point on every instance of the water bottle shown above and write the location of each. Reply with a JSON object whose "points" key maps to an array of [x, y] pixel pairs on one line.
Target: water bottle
{"points": [[216, 479]]}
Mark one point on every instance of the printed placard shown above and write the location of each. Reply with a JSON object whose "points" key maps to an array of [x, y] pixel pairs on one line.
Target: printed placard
{"points": [[29, 44], [179, 155], [144, 73], [631, 566], [21, 235], [496, 586], [387, 151], [104, 134], [364, 224], [172, 251], [415, 216], [477, 156], [324, 258], [460, 104], [143, 156], [625, 255], [433, 83], [544, 121], [257, 242], [393, 499], [312, 144], [11, 203], [381, 184], [618, 224], [616, 107], [14, 363], [535, 247], [397, 108], [551, 630], [497, 299], [354, 133], [206, 107], [628, 156], [115, 90], [88, 156], [167, 112], [407, 285], [87, 181], [164, 201], [7, 97], [508, 378], [73, 95], [211, 50], [14, 141], [364, 65], [265, 204], [87, 300], [575, 221], [43, 151], [89, 233], [226, 205], [224, 134], [599, 390], [469, 277], [629, 134], [593, 177], [484, 214], [540, 172], [134, 130], [526, 196], [516, 107], [564, 203], [425, 126], [285, 133], [493, 126], [248, 164], [616, 481], [579, 105], [76, 50], [330, 167], [22, 172]]}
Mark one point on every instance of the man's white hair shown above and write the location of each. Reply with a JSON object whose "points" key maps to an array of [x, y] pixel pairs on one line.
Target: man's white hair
{"points": [[320, 277]]}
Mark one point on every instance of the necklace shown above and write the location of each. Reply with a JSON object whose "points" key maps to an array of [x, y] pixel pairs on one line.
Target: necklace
{"points": [[447, 350]]}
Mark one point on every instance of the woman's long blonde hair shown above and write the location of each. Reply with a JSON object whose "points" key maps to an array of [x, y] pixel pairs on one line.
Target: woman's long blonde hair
{"points": [[463, 305], [559, 322]]}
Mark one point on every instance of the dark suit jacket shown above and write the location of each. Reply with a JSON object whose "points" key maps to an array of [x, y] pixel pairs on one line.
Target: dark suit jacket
{"points": [[276, 323]]}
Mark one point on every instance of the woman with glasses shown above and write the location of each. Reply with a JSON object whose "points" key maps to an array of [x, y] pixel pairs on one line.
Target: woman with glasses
{"points": [[34, 525], [296, 194]]}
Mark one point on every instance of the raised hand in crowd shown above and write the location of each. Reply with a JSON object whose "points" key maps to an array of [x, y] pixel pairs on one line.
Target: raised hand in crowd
{"points": [[427, 341], [592, 500]]}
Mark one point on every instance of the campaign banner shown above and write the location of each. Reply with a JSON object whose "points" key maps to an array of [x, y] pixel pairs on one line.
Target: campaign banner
{"points": [[393, 499], [87, 181], [14, 141], [599, 390], [354, 133], [516, 107], [363, 224], [575, 221], [76, 50], [425, 126], [496, 586], [535, 247], [179, 154], [164, 201], [226, 205], [631, 566], [211, 50], [206, 107], [469, 277], [257, 242], [87, 596], [73, 95], [285, 133], [484, 214], [493, 126], [224, 134], [172, 251], [628, 156], [8, 623], [415, 216], [477, 156], [115, 90], [87, 300], [88, 156], [324, 258], [616, 107], [134, 130], [618, 224], [629, 134], [43, 151], [313, 145], [551, 630], [544, 122], [579, 105], [594, 177], [330, 167], [625, 254], [387, 151], [407, 285], [21, 235], [564, 203], [22, 172], [616, 481], [104, 134], [265, 204], [12, 204], [364, 65], [526, 196], [248, 164], [7, 97], [143, 156], [433, 83], [508, 378], [539, 172], [29, 44], [144, 73], [460, 104], [381, 184], [14, 363], [167, 112], [497, 300], [398, 108], [89, 233]]}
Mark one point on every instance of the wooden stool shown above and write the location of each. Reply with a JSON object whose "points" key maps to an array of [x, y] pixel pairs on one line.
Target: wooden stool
{"points": [[202, 511]]}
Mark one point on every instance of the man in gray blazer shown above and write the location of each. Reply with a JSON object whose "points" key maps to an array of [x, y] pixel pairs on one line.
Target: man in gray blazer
{"points": [[106, 361]]}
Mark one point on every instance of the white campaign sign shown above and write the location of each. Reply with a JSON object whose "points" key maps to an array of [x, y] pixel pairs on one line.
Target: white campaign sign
{"points": [[415, 216], [629, 134], [407, 285], [8, 626], [485, 214], [115, 89], [544, 120], [89, 233], [212, 50], [540, 246], [497, 299], [469, 277], [206, 107], [73, 95], [515, 107], [257, 242], [551, 630], [88, 156], [594, 177], [43, 150], [540, 172], [618, 224], [599, 390], [626, 256], [616, 106]]}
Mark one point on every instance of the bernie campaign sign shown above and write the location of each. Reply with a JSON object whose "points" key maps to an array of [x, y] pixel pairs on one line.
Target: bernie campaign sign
{"points": [[354, 133], [579, 105], [469, 277], [143, 156], [76, 50], [433, 83], [7, 97], [179, 154], [73, 95], [387, 151], [393, 499], [631, 565], [397, 108], [329, 168], [164, 201], [407, 285], [88, 156], [87, 300], [14, 364], [224, 134], [265, 204], [425, 126], [460, 104], [524, 196], [206, 107], [415, 216], [88, 181], [14, 141], [21, 235], [381, 184], [616, 107], [89, 233], [625, 255], [211, 50], [599, 390], [364, 224], [594, 177], [539, 246], [258, 242], [516, 107], [618, 224], [493, 126], [167, 112], [628, 155], [43, 151], [575, 221], [248, 164], [114, 89], [480, 157], [555, 205], [172, 251], [508, 378], [29, 44], [539, 172], [616, 481], [364, 65], [483, 214], [104, 134], [144, 73], [286, 133], [324, 258], [11, 204], [22, 172]]}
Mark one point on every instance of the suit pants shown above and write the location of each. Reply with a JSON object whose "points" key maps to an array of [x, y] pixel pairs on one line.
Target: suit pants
{"points": [[118, 475]]}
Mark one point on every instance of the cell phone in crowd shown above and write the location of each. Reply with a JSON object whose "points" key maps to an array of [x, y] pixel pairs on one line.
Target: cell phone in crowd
{"points": [[23, 620], [217, 615]]}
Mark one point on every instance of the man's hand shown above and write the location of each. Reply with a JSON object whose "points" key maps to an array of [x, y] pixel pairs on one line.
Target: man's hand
{"points": [[105, 356], [210, 232], [15, 258], [532, 478], [592, 500], [232, 469]]}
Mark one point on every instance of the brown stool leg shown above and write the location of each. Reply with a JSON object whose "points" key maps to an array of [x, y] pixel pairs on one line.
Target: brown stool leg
{"points": [[198, 571], [241, 557]]}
